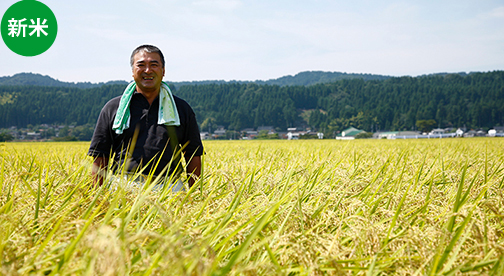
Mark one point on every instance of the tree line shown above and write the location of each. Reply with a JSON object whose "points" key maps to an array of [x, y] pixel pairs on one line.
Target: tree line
{"points": [[34, 105], [453, 100], [475, 100]]}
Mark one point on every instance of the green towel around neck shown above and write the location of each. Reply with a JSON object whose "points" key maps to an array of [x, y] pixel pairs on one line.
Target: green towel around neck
{"points": [[167, 113]]}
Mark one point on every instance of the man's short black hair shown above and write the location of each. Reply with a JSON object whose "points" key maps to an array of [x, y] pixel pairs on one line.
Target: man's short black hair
{"points": [[148, 49]]}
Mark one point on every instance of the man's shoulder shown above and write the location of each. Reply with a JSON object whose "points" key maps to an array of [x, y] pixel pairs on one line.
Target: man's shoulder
{"points": [[181, 103], [112, 104], [179, 100]]}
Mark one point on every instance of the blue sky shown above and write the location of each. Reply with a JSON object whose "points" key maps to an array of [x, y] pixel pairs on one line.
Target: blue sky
{"points": [[266, 39]]}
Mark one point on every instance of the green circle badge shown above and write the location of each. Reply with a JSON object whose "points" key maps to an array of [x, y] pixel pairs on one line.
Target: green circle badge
{"points": [[29, 28]]}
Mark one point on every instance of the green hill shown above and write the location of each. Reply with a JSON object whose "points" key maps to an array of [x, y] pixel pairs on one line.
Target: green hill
{"points": [[316, 77], [304, 78], [41, 80]]}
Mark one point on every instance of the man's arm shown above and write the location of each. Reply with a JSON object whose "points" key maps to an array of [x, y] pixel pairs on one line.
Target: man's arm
{"points": [[193, 169], [99, 170], [103, 140]]}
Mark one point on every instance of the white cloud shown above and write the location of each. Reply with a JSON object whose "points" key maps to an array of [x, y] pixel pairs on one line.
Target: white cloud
{"points": [[497, 12]]}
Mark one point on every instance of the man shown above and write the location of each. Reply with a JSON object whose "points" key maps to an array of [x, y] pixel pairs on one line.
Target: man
{"points": [[142, 129]]}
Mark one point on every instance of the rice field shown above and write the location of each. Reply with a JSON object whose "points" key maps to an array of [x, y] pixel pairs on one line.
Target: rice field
{"points": [[362, 207]]}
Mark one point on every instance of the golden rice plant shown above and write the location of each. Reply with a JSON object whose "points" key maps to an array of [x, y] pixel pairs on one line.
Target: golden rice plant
{"points": [[362, 207]]}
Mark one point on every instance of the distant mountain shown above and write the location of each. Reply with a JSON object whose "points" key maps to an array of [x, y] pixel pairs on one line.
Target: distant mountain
{"points": [[41, 80], [304, 79], [179, 84], [442, 74], [308, 78]]}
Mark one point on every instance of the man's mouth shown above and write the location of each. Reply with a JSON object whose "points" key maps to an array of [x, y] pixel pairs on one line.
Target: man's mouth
{"points": [[148, 78]]}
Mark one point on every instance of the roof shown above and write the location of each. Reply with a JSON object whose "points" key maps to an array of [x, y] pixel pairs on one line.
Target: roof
{"points": [[351, 131]]}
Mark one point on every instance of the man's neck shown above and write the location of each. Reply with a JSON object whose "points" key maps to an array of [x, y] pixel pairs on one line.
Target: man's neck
{"points": [[149, 95]]}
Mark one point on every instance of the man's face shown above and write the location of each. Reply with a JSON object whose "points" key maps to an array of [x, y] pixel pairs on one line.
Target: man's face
{"points": [[148, 71]]}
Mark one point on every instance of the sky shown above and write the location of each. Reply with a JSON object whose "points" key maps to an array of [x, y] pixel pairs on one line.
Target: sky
{"points": [[267, 39]]}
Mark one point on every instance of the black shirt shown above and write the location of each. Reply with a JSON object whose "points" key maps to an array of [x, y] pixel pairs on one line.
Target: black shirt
{"points": [[152, 144]]}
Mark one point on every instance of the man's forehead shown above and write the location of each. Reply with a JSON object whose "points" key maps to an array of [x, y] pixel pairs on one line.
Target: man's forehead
{"points": [[144, 56]]}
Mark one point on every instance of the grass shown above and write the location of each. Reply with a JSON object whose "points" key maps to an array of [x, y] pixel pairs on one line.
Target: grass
{"points": [[363, 207]]}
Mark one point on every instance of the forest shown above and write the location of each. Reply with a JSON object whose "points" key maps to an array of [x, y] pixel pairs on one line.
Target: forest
{"points": [[453, 100], [473, 100]]}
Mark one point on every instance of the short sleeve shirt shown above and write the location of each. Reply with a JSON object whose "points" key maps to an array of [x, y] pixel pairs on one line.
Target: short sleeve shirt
{"points": [[152, 151]]}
